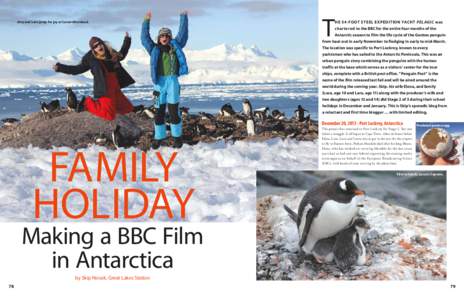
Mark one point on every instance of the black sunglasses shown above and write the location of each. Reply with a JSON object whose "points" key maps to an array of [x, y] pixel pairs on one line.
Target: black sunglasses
{"points": [[96, 45]]}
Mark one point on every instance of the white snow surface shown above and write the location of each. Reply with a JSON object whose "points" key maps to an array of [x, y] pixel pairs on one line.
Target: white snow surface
{"points": [[220, 64], [223, 175]]}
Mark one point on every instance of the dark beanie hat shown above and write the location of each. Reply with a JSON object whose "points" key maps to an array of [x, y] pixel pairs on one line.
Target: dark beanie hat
{"points": [[94, 40]]}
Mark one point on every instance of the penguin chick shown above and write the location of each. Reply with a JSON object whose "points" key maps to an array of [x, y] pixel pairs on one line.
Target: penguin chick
{"points": [[349, 248]]}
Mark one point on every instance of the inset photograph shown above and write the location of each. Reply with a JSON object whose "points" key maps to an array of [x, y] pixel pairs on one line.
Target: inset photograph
{"points": [[439, 143], [351, 225]]}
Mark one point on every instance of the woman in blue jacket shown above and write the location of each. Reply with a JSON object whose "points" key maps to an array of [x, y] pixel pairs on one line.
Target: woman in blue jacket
{"points": [[167, 63]]}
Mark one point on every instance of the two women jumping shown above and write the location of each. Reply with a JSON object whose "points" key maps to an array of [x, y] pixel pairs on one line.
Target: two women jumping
{"points": [[167, 63]]}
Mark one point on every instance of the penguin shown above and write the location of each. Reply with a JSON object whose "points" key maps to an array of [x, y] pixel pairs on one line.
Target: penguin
{"points": [[300, 113], [100, 139], [250, 125], [139, 108], [9, 121], [276, 114], [261, 113], [206, 116], [184, 111], [200, 129], [247, 108], [349, 248], [71, 99], [227, 110], [325, 210], [323, 250], [52, 106], [119, 140], [150, 112]]}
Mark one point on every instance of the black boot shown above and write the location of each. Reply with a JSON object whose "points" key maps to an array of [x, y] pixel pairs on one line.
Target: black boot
{"points": [[177, 143], [80, 106], [156, 144]]}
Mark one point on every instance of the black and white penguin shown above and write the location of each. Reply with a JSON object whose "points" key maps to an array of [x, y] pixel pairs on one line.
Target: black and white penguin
{"points": [[247, 108], [150, 112], [139, 108], [300, 113], [227, 110], [261, 113], [119, 140], [71, 99], [250, 125], [206, 116], [100, 139], [184, 111], [9, 121], [325, 210], [49, 107], [277, 114], [349, 248], [200, 129]]}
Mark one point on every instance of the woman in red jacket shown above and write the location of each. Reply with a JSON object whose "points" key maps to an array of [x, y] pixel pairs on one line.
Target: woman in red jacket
{"points": [[108, 79]]}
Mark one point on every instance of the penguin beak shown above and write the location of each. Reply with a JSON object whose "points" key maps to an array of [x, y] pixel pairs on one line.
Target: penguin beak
{"points": [[359, 192]]}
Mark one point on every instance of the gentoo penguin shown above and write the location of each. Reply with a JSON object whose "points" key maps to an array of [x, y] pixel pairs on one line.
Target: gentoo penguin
{"points": [[139, 108], [49, 107], [9, 121], [261, 113], [325, 210], [247, 109], [206, 116], [150, 112], [184, 111], [119, 140], [227, 110], [276, 114], [349, 249], [250, 125], [200, 129], [323, 250], [100, 139], [71, 99], [300, 113]]}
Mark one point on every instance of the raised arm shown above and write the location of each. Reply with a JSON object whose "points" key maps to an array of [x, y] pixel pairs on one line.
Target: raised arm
{"points": [[72, 70], [182, 34], [125, 46], [147, 42]]}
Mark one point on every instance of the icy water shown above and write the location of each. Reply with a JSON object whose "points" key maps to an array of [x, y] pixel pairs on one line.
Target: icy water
{"points": [[208, 98], [423, 191]]}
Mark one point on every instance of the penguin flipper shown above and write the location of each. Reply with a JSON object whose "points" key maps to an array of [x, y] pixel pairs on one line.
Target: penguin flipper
{"points": [[308, 221], [293, 215]]}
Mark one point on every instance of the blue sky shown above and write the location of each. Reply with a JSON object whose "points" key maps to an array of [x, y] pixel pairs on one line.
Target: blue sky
{"points": [[287, 28]]}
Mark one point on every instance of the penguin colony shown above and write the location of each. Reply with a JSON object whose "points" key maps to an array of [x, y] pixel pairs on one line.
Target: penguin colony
{"points": [[230, 125], [328, 224]]}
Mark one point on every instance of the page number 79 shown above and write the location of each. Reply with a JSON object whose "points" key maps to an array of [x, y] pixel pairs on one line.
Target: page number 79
{"points": [[453, 286], [11, 286]]}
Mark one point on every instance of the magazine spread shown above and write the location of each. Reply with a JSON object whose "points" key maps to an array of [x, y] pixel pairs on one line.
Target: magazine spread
{"points": [[222, 149]]}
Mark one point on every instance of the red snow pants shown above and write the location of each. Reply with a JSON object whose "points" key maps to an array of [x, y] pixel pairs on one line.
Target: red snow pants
{"points": [[114, 102]]}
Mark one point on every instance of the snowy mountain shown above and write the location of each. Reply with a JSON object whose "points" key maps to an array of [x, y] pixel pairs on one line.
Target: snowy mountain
{"points": [[220, 64], [13, 56]]}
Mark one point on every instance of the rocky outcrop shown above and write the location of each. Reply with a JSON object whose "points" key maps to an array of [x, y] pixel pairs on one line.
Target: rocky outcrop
{"points": [[402, 244]]}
